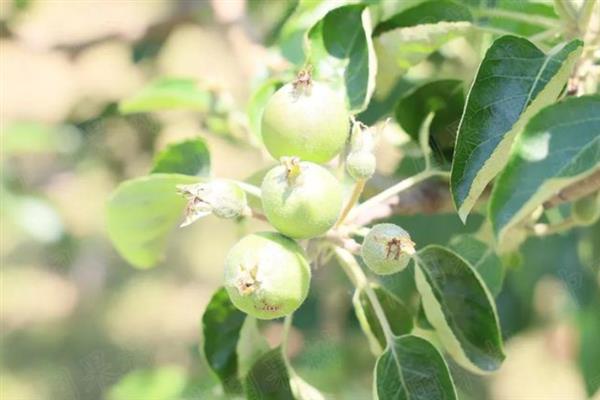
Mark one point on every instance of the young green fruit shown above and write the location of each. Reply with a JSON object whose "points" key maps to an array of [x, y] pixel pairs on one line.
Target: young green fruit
{"points": [[267, 275], [301, 199], [586, 210], [387, 249], [361, 164], [306, 120]]}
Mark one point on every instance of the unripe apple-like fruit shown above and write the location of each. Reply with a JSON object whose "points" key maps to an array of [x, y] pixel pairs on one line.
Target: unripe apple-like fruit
{"points": [[308, 121], [586, 210], [361, 164], [267, 275], [387, 249], [301, 199]]}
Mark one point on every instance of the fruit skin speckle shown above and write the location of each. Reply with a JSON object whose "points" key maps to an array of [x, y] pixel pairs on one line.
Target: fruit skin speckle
{"points": [[387, 249], [307, 122], [303, 206], [267, 275]]}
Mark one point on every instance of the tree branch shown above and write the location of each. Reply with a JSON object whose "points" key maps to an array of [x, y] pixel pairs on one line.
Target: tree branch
{"points": [[433, 197], [576, 190]]}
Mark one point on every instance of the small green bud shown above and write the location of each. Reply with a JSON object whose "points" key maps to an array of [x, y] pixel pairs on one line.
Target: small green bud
{"points": [[220, 197], [387, 249], [361, 164], [267, 275]]}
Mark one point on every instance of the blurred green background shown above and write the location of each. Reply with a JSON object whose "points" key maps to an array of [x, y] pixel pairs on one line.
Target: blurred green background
{"points": [[77, 322]]}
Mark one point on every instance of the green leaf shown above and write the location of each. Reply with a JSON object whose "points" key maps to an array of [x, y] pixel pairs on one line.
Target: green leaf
{"points": [[588, 250], [398, 316], [168, 94], [269, 378], [251, 346], [221, 326], [341, 51], [460, 307], [304, 391], [35, 138], [559, 146], [515, 80], [189, 157], [256, 106], [446, 99], [421, 319], [482, 258], [305, 15], [589, 351], [429, 12], [534, 16], [410, 36], [163, 383], [412, 369], [140, 214]]}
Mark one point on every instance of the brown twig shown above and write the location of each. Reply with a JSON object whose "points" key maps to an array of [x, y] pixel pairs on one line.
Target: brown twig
{"points": [[433, 197], [576, 190]]}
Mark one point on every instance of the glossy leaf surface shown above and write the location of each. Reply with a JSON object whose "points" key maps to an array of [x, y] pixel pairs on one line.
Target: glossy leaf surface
{"points": [[559, 146], [461, 309], [221, 326], [515, 80], [412, 369]]}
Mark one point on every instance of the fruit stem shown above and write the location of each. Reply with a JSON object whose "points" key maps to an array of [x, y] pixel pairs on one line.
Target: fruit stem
{"points": [[248, 188], [360, 281], [258, 215], [356, 192], [398, 188], [287, 324], [351, 267]]}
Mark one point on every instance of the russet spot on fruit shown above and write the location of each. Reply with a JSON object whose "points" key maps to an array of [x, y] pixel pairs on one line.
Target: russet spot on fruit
{"points": [[305, 119], [387, 249], [267, 275], [301, 199]]}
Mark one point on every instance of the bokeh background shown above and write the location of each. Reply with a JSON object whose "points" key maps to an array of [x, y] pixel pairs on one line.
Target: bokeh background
{"points": [[77, 322]]}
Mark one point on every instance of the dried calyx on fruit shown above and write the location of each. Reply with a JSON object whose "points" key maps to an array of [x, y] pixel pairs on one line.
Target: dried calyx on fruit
{"points": [[361, 162], [220, 197], [306, 119], [301, 199], [267, 275], [387, 249], [362, 138]]}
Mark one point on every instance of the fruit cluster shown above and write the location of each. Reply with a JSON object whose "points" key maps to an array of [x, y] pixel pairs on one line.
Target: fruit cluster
{"points": [[304, 125]]}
